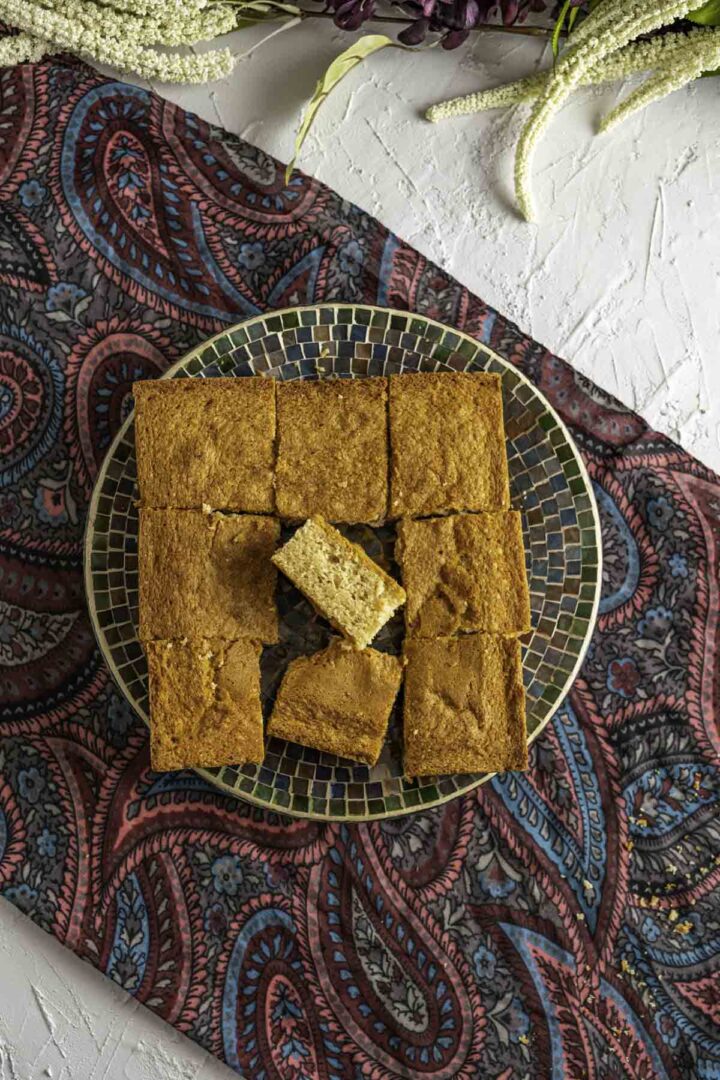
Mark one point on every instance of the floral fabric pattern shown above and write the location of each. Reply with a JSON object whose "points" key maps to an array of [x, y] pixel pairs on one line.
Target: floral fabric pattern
{"points": [[557, 923]]}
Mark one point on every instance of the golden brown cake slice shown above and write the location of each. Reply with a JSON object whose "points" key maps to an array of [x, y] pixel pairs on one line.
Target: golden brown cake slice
{"points": [[206, 442], [447, 443], [332, 449], [464, 572], [343, 583], [207, 575], [204, 703], [464, 707], [338, 700]]}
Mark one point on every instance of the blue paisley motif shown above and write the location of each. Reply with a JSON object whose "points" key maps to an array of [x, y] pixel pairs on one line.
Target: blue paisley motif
{"points": [[583, 860], [610, 601], [131, 943]]}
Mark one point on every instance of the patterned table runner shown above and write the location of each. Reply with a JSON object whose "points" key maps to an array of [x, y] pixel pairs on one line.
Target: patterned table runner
{"points": [[559, 924]]}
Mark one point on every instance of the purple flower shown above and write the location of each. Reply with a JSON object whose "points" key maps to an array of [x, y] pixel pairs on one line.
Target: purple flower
{"points": [[47, 843], [22, 896], [227, 874], [484, 962], [678, 565], [64, 296], [623, 677], [31, 784], [32, 193], [660, 512], [655, 623], [252, 256], [650, 929], [351, 258]]}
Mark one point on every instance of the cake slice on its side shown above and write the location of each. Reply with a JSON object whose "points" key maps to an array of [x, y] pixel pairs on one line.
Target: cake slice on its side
{"points": [[350, 590], [204, 703], [464, 709], [338, 700]]}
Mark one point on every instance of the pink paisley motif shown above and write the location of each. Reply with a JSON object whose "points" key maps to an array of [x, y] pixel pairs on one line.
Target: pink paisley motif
{"points": [[433, 864], [23, 123], [647, 556], [704, 698], [14, 834], [104, 363], [233, 182], [423, 1013]]}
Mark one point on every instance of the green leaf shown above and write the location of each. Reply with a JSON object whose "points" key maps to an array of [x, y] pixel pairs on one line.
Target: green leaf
{"points": [[339, 68], [557, 29], [707, 15], [258, 11], [573, 16]]}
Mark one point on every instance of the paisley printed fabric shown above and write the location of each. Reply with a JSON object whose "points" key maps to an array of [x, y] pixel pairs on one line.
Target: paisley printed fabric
{"points": [[562, 923]]}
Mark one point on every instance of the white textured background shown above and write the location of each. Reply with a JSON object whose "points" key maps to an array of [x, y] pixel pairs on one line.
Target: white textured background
{"points": [[621, 275]]}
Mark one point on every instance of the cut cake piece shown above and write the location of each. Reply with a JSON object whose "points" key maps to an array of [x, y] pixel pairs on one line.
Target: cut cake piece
{"points": [[204, 703], [343, 583], [332, 449], [338, 700], [447, 443], [464, 708], [206, 442], [207, 575], [464, 572]]}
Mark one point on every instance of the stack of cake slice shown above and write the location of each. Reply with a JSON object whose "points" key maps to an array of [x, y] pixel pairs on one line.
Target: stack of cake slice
{"points": [[460, 549], [222, 461]]}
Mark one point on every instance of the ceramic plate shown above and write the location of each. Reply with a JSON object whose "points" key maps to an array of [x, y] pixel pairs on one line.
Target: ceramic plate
{"points": [[548, 483]]}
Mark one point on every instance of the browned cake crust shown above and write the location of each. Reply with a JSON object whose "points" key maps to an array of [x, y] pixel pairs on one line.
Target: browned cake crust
{"points": [[204, 703], [332, 449], [464, 705], [338, 700], [207, 575], [342, 582], [206, 442], [464, 572], [448, 444]]}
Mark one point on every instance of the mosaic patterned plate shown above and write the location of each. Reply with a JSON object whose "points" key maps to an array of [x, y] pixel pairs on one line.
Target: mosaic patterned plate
{"points": [[548, 482]]}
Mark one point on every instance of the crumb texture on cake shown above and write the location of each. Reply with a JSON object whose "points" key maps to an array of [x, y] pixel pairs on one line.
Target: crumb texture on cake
{"points": [[464, 572], [447, 441], [206, 441], [464, 706], [346, 586], [338, 700], [207, 575], [332, 449], [204, 703]]}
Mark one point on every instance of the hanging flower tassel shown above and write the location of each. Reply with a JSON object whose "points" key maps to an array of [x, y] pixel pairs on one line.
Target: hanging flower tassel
{"points": [[630, 60], [688, 63], [610, 26], [22, 49], [111, 42]]}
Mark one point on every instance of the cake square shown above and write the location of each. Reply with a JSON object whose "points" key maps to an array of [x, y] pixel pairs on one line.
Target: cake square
{"points": [[344, 584], [464, 572], [338, 700], [204, 703], [332, 449], [447, 442], [206, 442], [207, 575], [464, 709]]}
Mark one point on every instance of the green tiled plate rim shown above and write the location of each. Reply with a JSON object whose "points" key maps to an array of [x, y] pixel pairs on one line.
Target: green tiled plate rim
{"points": [[549, 483]]}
